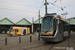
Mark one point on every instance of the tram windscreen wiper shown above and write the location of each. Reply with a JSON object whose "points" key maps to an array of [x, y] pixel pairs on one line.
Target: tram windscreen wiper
{"points": [[47, 24], [49, 28]]}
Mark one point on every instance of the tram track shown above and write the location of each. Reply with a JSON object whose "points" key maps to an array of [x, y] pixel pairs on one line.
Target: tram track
{"points": [[51, 47], [68, 45], [36, 47], [68, 42], [42, 46]]}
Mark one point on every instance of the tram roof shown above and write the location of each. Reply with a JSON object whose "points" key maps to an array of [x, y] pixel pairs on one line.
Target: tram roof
{"points": [[55, 15], [63, 18]]}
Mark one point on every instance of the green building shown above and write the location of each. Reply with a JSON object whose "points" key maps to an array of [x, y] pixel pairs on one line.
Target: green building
{"points": [[36, 24], [72, 24], [24, 23], [5, 25]]}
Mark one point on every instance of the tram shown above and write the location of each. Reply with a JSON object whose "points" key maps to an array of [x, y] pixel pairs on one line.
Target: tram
{"points": [[15, 31], [54, 28]]}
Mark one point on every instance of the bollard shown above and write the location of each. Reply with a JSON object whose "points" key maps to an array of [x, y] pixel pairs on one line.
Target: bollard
{"points": [[5, 41], [19, 39], [39, 36], [30, 38]]}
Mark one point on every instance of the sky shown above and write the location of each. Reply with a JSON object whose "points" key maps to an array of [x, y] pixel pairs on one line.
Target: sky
{"points": [[16, 10]]}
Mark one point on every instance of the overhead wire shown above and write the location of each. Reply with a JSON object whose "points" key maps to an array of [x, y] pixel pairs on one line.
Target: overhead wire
{"points": [[21, 5], [54, 5], [61, 5], [58, 6], [55, 1], [41, 5], [18, 4], [18, 10], [65, 14]]}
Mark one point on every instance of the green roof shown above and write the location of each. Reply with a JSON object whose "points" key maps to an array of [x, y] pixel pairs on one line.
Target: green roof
{"points": [[37, 21], [72, 21], [23, 22], [6, 21]]}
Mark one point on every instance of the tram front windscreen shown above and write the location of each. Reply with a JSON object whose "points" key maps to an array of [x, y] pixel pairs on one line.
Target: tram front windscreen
{"points": [[47, 24]]}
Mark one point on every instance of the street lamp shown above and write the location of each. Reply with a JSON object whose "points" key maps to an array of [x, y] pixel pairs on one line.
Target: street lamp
{"points": [[39, 26], [33, 25]]}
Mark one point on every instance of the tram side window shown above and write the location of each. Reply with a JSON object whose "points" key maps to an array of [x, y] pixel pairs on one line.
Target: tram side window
{"points": [[65, 26], [61, 29], [16, 30], [55, 27]]}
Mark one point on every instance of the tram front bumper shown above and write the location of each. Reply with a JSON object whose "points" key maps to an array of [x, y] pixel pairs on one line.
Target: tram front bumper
{"points": [[50, 39], [47, 37]]}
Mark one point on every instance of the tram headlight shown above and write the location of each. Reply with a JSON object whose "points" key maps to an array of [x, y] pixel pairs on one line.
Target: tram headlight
{"points": [[49, 35]]}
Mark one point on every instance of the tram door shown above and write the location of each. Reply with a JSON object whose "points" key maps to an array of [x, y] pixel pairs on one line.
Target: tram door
{"points": [[24, 32], [21, 31], [16, 31]]}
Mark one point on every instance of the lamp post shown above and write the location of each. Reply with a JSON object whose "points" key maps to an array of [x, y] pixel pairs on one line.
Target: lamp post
{"points": [[46, 3], [33, 25], [39, 26]]}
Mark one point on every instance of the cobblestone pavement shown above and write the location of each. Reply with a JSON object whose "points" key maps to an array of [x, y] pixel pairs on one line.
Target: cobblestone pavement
{"points": [[13, 43]]}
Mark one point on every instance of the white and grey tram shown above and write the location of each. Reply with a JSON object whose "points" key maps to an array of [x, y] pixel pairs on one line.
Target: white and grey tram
{"points": [[54, 28]]}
